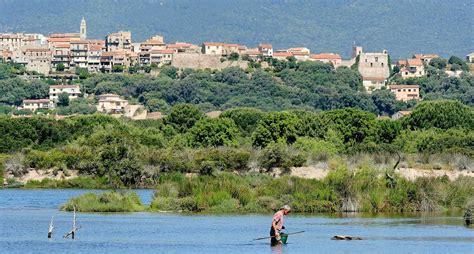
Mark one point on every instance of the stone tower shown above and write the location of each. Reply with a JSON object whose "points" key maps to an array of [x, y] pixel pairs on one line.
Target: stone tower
{"points": [[83, 30]]}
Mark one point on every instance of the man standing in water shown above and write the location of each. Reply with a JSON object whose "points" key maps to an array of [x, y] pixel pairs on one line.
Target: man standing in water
{"points": [[277, 224]]}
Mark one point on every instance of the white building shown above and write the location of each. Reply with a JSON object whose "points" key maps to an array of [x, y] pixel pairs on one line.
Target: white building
{"points": [[34, 105], [55, 90]]}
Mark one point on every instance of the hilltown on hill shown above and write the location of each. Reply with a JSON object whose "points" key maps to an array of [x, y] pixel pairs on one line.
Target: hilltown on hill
{"points": [[60, 55]]}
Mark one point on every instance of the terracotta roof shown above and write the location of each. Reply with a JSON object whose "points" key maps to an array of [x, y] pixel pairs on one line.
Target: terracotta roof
{"points": [[298, 53], [404, 112], [36, 101], [37, 49], [374, 78], [63, 86], [50, 39], [162, 51], [62, 45], [282, 54], [414, 62], [95, 47], [326, 56], [109, 95], [10, 36], [231, 45], [178, 45], [421, 56], [403, 86], [214, 44], [266, 45]]}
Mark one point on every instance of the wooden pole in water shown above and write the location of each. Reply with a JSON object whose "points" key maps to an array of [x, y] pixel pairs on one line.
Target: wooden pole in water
{"points": [[72, 233], [74, 223], [51, 227]]}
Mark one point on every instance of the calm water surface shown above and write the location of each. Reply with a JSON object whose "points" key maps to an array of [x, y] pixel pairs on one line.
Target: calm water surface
{"points": [[25, 215]]}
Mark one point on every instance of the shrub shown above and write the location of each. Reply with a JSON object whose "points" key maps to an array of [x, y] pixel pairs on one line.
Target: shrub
{"points": [[105, 202]]}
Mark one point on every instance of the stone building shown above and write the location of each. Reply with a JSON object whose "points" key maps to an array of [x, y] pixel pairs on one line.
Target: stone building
{"points": [[36, 59], [374, 68], [119, 41]]}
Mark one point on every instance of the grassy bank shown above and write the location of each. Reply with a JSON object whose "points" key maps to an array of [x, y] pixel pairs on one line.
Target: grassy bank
{"points": [[105, 202], [364, 190], [74, 183]]}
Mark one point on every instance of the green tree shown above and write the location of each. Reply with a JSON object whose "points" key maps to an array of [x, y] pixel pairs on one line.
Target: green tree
{"points": [[275, 127], [60, 67], [444, 114], [234, 56], [83, 73], [354, 125], [439, 63], [117, 69], [157, 105], [214, 132], [63, 100], [245, 118], [184, 116]]}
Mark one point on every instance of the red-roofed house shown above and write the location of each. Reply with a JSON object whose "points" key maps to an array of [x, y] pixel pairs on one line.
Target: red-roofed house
{"points": [[159, 57], [282, 55], [333, 58], [425, 57], [266, 49], [410, 68]]}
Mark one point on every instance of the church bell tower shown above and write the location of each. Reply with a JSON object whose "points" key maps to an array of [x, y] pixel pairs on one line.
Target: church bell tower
{"points": [[83, 30]]}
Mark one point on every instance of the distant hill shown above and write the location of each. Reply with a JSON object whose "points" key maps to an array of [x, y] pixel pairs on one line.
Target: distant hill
{"points": [[404, 27]]}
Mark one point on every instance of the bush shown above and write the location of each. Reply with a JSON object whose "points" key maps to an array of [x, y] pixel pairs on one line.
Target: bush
{"points": [[280, 155], [105, 202]]}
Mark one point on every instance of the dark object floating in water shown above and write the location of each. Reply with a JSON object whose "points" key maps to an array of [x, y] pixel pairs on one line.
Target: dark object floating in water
{"points": [[468, 216], [345, 237]]}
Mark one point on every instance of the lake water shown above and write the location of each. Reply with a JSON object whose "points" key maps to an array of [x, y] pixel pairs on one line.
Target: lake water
{"points": [[25, 216]]}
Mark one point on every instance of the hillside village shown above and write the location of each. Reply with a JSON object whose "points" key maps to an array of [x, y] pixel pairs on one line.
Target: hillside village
{"points": [[64, 56]]}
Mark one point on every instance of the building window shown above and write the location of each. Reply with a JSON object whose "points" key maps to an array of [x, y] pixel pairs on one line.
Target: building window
{"points": [[409, 90], [376, 59], [382, 64], [371, 65], [399, 90]]}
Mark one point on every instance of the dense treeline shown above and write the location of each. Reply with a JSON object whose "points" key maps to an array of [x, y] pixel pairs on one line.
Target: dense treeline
{"points": [[312, 86], [135, 153]]}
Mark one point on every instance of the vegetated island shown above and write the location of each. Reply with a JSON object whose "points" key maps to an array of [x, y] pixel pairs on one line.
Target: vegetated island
{"points": [[105, 202]]}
